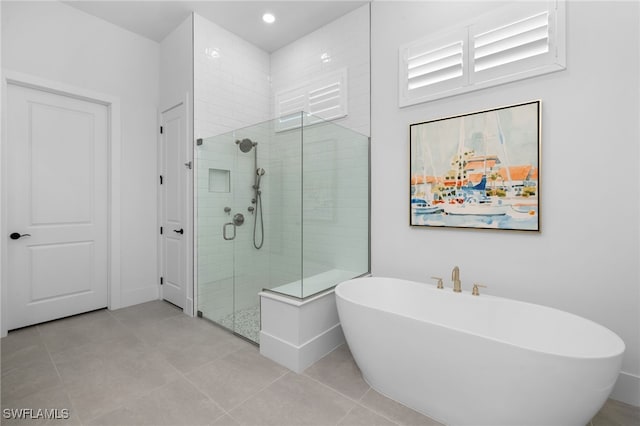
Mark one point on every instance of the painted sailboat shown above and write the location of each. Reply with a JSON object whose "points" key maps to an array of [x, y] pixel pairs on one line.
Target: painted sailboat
{"points": [[422, 206]]}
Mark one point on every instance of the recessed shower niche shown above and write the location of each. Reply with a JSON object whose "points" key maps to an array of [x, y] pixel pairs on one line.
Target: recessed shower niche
{"points": [[219, 180], [295, 221]]}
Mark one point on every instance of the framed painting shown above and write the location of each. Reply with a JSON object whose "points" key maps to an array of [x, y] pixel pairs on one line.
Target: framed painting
{"points": [[477, 170]]}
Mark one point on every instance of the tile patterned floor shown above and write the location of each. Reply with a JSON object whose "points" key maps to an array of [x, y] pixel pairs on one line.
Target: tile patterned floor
{"points": [[151, 365]]}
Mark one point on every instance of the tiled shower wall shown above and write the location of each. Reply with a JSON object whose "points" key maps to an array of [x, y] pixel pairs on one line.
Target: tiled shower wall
{"points": [[231, 91], [234, 87], [343, 43]]}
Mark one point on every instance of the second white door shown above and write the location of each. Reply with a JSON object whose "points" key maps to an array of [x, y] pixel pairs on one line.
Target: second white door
{"points": [[173, 202]]}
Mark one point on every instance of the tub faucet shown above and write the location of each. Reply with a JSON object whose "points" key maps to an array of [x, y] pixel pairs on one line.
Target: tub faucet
{"points": [[455, 276]]}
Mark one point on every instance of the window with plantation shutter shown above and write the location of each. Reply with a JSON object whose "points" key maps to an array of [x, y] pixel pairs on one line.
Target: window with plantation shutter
{"points": [[324, 97], [517, 41]]}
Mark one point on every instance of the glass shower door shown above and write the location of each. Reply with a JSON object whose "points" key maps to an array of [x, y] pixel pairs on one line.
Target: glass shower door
{"points": [[230, 229], [216, 168]]}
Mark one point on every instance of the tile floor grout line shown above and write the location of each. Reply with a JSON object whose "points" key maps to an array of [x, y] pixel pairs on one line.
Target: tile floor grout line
{"points": [[334, 389], [383, 415], [206, 396], [259, 391], [357, 402], [219, 357], [346, 415], [63, 384]]}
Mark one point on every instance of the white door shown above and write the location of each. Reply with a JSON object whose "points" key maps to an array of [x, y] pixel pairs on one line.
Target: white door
{"points": [[57, 206], [173, 205]]}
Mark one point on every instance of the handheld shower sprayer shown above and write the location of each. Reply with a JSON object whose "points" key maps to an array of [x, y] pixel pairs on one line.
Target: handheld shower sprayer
{"points": [[259, 173]]}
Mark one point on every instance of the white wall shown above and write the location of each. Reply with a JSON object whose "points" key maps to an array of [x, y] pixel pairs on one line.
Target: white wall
{"points": [[55, 42], [585, 259], [176, 65]]}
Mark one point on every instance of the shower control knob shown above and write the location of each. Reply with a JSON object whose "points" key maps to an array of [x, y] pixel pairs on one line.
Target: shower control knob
{"points": [[238, 219], [179, 231]]}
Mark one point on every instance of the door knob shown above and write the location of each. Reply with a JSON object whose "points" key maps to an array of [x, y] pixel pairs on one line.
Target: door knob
{"points": [[179, 231], [17, 235]]}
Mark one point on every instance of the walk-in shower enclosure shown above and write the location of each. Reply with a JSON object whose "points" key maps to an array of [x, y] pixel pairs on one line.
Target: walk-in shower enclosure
{"points": [[281, 206]]}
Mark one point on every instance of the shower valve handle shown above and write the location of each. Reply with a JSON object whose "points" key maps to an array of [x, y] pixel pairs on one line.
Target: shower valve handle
{"points": [[179, 231]]}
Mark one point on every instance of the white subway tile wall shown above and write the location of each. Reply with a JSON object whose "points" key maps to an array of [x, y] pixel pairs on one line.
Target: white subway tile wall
{"points": [[343, 43]]}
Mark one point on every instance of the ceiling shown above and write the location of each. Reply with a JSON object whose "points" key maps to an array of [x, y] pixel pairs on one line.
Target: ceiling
{"points": [[156, 19]]}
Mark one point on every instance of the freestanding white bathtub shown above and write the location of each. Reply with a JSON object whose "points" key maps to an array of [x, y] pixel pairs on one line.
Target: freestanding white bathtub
{"points": [[477, 360]]}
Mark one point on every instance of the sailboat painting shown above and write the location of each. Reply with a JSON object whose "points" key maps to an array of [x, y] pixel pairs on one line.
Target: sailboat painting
{"points": [[478, 170]]}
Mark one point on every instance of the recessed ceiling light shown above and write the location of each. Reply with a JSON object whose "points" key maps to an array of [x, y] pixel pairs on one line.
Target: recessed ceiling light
{"points": [[268, 18]]}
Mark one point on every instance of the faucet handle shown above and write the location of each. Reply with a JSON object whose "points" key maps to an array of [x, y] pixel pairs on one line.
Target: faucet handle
{"points": [[476, 290], [440, 285]]}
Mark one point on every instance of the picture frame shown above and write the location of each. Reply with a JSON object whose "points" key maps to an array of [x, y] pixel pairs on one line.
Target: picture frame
{"points": [[478, 170]]}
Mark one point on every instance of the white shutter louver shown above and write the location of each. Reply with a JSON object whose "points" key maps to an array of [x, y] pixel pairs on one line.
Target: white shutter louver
{"points": [[434, 66], [325, 101], [324, 97], [513, 42]]}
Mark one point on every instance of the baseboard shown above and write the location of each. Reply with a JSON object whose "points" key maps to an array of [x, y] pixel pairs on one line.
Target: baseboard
{"points": [[627, 389], [299, 358], [316, 348], [188, 309], [139, 295]]}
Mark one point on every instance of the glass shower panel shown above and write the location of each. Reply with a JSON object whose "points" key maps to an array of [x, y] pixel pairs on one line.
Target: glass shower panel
{"points": [[284, 217], [335, 200]]}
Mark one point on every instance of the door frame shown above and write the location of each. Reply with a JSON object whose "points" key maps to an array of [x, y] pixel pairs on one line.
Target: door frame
{"points": [[113, 170], [188, 225]]}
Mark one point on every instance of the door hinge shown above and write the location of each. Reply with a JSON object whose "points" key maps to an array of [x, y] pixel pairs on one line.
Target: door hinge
{"points": [[160, 179], [161, 230], [161, 280], [161, 130]]}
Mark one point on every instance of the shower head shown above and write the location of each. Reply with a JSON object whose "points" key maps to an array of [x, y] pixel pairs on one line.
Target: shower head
{"points": [[259, 173], [245, 144]]}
